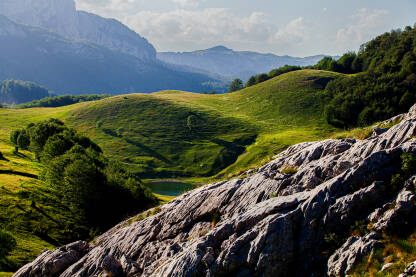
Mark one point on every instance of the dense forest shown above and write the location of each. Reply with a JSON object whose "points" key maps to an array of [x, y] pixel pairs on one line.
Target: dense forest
{"points": [[63, 100], [98, 191], [383, 86], [16, 92], [379, 80]]}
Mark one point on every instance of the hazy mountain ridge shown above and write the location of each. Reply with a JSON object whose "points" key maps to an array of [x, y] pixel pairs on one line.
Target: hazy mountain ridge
{"points": [[79, 66], [233, 64], [62, 17]]}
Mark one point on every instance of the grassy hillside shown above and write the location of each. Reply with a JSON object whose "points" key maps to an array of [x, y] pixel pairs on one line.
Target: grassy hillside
{"points": [[29, 209], [165, 134], [172, 133]]}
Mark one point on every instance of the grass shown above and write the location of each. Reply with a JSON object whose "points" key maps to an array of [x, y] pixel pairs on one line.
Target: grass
{"points": [[163, 199], [399, 251], [169, 134], [30, 210], [174, 134]]}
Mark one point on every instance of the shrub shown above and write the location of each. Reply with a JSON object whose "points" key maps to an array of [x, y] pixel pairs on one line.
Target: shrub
{"points": [[289, 170], [7, 243]]}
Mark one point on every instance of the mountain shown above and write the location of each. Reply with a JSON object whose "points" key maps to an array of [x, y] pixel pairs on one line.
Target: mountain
{"points": [[78, 66], [233, 64], [318, 209], [62, 17]]}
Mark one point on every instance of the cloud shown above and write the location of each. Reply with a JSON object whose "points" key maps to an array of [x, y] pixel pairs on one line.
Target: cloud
{"points": [[187, 3], [293, 33], [199, 27], [107, 8], [366, 24]]}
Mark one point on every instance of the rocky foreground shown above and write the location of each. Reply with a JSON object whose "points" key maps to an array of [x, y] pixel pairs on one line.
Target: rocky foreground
{"points": [[280, 221]]}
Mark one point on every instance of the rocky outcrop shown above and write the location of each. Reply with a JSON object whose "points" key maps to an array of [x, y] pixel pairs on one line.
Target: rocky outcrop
{"points": [[62, 17], [352, 252], [52, 263], [270, 223], [410, 270]]}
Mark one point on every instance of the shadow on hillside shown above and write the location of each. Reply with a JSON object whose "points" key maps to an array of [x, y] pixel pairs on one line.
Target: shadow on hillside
{"points": [[150, 151]]}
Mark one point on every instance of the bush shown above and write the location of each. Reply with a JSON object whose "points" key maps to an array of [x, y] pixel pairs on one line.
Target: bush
{"points": [[7, 243], [289, 170]]}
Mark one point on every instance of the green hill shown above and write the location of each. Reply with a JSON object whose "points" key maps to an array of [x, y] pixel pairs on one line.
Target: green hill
{"points": [[172, 133], [159, 135]]}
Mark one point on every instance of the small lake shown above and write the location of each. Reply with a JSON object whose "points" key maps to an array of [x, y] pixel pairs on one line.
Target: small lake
{"points": [[169, 188]]}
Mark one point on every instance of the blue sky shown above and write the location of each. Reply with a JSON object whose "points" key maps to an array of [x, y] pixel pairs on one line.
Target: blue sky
{"points": [[297, 28]]}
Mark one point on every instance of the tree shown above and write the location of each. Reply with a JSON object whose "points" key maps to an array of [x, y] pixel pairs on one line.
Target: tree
{"points": [[7, 243], [235, 85], [251, 81], [262, 78], [23, 141]]}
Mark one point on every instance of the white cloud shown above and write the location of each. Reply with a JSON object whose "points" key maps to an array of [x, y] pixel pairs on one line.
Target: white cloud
{"points": [[199, 27], [293, 33], [187, 3], [107, 8], [366, 24]]}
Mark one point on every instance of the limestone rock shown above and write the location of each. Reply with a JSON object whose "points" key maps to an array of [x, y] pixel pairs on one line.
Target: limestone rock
{"points": [[335, 183], [53, 263], [351, 252], [410, 270]]}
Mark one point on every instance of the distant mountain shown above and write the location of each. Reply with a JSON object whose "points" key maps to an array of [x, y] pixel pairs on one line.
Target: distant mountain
{"points": [[62, 17], [232, 64], [78, 66]]}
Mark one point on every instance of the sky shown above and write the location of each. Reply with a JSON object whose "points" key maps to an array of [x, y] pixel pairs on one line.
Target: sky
{"points": [[291, 27]]}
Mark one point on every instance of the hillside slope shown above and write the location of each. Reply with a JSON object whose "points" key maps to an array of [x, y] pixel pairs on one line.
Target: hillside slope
{"points": [[339, 201], [174, 133], [30, 209]]}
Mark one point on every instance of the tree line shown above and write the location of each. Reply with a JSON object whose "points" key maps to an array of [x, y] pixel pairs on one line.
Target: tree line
{"points": [[379, 80], [63, 100]]}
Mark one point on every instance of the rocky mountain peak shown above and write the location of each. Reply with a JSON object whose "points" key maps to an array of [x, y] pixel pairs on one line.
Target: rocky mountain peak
{"points": [[62, 17]]}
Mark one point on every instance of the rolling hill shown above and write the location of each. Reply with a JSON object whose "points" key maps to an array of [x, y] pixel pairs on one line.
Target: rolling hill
{"points": [[173, 133], [165, 134]]}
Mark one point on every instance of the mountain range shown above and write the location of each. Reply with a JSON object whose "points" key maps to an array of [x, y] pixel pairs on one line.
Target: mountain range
{"points": [[80, 66], [53, 44], [234, 64]]}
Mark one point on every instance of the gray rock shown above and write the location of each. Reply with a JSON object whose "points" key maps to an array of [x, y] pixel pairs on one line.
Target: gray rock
{"points": [[337, 182], [53, 263], [409, 271], [397, 217], [350, 253], [386, 266]]}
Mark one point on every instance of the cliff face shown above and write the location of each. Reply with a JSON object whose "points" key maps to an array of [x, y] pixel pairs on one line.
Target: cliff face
{"points": [[267, 224], [62, 17]]}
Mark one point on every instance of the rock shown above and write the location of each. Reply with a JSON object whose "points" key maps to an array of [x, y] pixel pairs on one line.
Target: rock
{"points": [[379, 131], [337, 182], [397, 217], [409, 271], [386, 266], [53, 263], [350, 253]]}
